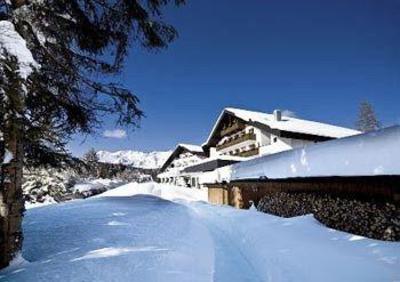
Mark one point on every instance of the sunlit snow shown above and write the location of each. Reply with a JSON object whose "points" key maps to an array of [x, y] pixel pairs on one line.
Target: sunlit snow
{"points": [[124, 235]]}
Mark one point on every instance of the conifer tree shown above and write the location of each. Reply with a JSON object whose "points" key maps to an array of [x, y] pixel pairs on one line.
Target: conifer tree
{"points": [[367, 120], [91, 156], [78, 46]]}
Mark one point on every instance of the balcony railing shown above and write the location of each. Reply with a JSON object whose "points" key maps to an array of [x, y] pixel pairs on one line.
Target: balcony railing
{"points": [[243, 138], [249, 153], [235, 127]]}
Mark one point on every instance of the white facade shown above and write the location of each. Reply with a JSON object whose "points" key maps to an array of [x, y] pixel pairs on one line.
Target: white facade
{"points": [[240, 135], [172, 174], [265, 142]]}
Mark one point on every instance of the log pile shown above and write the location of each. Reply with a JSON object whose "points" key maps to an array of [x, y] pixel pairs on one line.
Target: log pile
{"points": [[369, 218]]}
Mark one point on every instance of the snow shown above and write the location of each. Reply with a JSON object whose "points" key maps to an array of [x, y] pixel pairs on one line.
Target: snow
{"points": [[97, 184], [126, 236], [222, 158], [374, 153], [289, 124], [191, 148], [47, 200], [152, 160], [15, 45], [168, 192], [179, 160], [8, 156]]}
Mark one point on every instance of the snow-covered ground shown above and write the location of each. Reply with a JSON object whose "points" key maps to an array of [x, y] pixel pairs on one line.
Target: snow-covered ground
{"points": [[151, 160], [153, 232]]}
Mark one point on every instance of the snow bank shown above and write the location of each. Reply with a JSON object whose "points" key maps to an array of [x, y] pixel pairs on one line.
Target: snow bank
{"points": [[142, 238], [15, 45], [375, 153], [123, 236], [168, 192], [97, 184], [270, 248], [45, 201]]}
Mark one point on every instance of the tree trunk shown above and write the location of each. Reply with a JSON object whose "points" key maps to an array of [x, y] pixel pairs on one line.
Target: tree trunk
{"points": [[18, 3], [11, 196]]}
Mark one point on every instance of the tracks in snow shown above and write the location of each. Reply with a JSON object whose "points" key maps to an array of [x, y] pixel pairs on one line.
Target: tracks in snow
{"points": [[231, 264]]}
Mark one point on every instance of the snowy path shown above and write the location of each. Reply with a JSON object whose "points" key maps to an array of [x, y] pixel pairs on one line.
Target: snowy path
{"points": [[231, 264], [123, 236]]}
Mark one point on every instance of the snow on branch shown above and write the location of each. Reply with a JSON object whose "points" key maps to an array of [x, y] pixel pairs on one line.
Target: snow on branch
{"points": [[12, 43]]}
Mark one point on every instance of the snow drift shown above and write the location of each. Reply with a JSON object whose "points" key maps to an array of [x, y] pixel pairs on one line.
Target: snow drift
{"points": [[125, 236]]}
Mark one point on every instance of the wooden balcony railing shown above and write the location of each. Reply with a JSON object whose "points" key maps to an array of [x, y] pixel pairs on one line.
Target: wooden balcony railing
{"points": [[243, 138], [235, 127], [249, 153]]}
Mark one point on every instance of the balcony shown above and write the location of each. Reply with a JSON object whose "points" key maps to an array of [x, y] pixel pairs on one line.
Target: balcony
{"points": [[249, 153], [238, 140], [235, 127]]}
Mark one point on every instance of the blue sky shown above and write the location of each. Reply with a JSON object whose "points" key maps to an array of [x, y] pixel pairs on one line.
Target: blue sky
{"points": [[319, 59]]}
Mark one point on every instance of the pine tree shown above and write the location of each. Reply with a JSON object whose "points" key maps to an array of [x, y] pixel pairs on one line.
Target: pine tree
{"points": [[78, 45], [91, 156], [367, 120], [11, 129]]}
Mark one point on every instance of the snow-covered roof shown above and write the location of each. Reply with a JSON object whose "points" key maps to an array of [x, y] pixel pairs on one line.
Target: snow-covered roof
{"points": [[191, 148], [195, 149], [289, 124], [213, 163], [373, 153], [223, 158]]}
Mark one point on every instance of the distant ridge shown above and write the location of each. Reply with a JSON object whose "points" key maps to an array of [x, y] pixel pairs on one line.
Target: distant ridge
{"points": [[150, 160]]}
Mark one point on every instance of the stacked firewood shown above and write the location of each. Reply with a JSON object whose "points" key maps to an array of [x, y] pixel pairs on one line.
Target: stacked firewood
{"points": [[366, 217]]}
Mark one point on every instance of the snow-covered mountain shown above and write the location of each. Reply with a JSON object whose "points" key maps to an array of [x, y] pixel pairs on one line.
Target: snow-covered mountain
{"points": [[151, 160]]}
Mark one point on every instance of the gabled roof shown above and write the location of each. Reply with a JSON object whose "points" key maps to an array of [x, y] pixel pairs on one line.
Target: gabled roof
{"points": [[194, 149], [191, 148], [288, 124]]}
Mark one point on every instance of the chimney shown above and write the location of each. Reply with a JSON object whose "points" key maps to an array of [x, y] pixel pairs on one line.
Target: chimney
{"points": [[277, 115]]}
